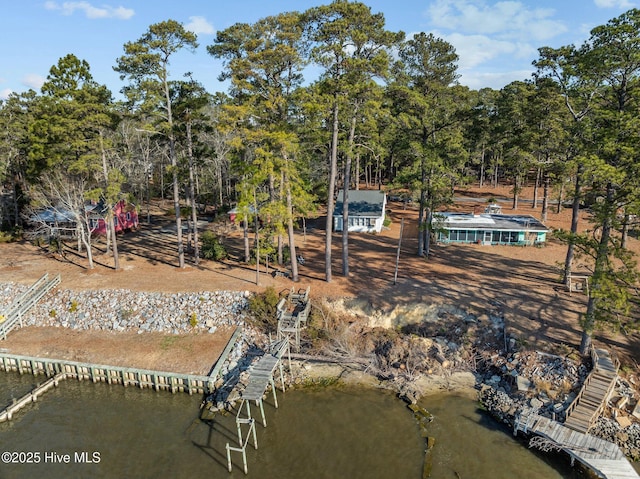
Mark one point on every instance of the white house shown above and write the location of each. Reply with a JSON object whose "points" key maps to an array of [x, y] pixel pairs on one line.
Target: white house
{"points": [[366, 211]]}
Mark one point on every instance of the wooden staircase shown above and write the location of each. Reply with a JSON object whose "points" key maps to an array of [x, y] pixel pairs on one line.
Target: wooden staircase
{"points": [[588, 405]]}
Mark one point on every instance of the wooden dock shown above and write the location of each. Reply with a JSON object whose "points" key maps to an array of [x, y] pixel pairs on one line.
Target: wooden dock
{"points": [[260, 377], [7, 413], [601, 456], [595, 392]]}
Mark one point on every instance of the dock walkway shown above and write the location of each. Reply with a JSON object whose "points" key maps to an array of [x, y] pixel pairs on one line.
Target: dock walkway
{"points": [[260, 377], [601, 456]]}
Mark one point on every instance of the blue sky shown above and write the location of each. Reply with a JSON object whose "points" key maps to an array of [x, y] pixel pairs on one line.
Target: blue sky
{"points": [[495, 40]]}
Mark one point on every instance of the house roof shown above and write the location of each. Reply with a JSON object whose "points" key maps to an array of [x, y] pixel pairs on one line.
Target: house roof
{"points": [[64, 215], [466, 221], [53, 215], [362, 203]]}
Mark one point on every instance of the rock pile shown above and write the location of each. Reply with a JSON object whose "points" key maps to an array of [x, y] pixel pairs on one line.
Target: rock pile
{"points": [[627, 438], [126, 310], [549, 383], [499, 404]]}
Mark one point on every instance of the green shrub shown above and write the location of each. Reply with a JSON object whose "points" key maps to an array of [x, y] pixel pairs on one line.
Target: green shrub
{"points": [[212, 247], [74, 306], [6, 237], [262, 307], [193, 319]]}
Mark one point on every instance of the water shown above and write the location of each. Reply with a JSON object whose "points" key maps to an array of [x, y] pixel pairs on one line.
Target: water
{"points": [[470, 444], [330, 433]]}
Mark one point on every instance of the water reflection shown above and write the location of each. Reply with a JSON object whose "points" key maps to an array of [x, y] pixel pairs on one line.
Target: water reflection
{"points": [[330, 433]]}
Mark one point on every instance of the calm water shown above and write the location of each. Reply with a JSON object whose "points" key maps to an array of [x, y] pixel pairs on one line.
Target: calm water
{"points": [[331, 433]]}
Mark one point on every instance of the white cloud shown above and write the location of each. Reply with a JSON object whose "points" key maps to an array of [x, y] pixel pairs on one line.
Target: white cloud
{"points": [[624, 4], [507, 19], [105, 11], [4, 94], [33, 80], [474, 50], [200, 26], [496, 80]]}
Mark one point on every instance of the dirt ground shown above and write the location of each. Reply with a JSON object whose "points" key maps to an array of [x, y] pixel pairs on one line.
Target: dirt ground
{"points": [[524, 280]]}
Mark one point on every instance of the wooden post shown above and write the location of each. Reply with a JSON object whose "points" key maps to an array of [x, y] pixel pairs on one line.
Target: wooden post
{"points": [[264, 419], [229, 458], [395, 274]]}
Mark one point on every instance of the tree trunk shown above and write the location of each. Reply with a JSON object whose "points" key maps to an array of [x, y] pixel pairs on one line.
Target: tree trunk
{"points": [[599, 271], [245, 237], [112, 228], [421, 222], [84, 238], [545, 198], [482, 166], [110, 210], [255, 206], [220, 185], [333, 170], [16, 207], [577, 193], [536, 186], [427, 232], [421, 211], [560, 198], [625, 231], [292, 243], [192, 196], [174, 176]]}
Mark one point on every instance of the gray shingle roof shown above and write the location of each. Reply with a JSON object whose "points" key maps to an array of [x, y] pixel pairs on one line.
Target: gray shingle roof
{"points": [[362, 203]]}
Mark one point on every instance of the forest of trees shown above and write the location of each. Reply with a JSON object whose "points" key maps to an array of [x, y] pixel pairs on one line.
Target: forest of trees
{"points": [[384, 111]]}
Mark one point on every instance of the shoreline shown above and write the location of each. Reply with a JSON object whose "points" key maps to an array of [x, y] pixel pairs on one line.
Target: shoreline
{"points": [[420, 349]]}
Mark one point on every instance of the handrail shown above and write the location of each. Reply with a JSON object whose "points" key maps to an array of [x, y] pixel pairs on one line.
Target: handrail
{"points": [[225, 353], [587, 381], [575, 402], [26, 301]]}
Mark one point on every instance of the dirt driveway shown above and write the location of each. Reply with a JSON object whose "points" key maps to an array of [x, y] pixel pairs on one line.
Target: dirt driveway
{"points": [[524, 280]]}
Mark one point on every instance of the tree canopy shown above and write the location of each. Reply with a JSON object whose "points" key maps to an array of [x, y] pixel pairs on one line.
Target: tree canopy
{"points": [[330, 99]]}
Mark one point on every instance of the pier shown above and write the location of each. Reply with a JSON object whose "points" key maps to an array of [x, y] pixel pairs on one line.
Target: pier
{"points": [[261, 375], [603, 457], [7, 413]]}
